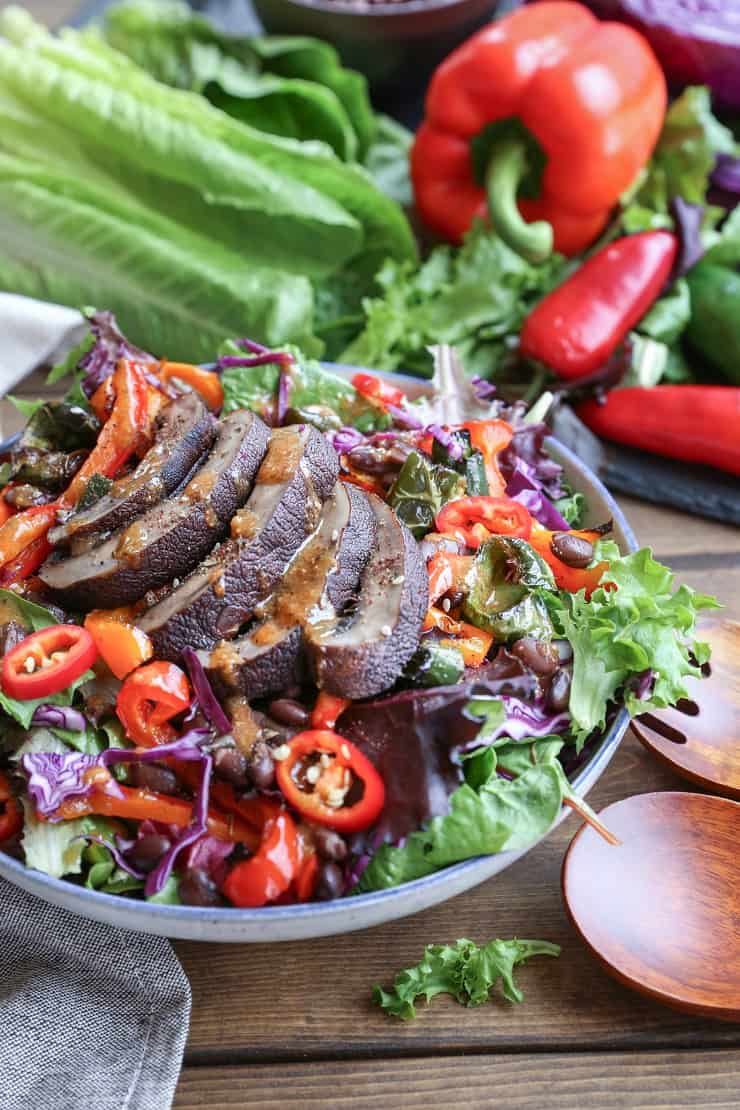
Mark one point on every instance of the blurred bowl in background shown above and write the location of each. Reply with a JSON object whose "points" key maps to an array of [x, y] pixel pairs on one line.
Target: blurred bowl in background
{"points": [[395, 44]]}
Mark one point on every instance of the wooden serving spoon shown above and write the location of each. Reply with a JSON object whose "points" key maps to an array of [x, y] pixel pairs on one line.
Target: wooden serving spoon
{"points": [[700, 737], [661, 910]]}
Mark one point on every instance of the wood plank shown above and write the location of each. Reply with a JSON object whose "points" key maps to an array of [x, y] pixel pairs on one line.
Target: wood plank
{"points": [[263, 1002], [611, 1081]]}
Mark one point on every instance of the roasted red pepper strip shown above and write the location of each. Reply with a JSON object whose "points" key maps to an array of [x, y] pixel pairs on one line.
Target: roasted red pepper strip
{"points": [[269, 872], [327, 710], [25, 564], [318, 795], [149, 699], [491, 437], [542, 74], [11, 814], [121, 645], [568, 578], [695, 423], [471, 520], [575, 329], [23, 529], [305, 880], [47, 661], [446, 571], [204, 382], [367, 385]]}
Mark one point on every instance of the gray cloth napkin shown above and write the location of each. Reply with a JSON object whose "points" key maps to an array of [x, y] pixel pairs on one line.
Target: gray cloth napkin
{"points": [[91, 1017]]}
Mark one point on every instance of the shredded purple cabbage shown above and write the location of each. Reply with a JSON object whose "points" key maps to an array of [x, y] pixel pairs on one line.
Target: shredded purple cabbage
{"points": [[446, 440], [403, 418], [209, 703], [252, 345], [197, 828], [55, 777], [528, 446], [110, 345], [283, 396], [117, 854], [209, 854], [59, 716], [726, 174], [523, 719], [483, 390], [345, 439], [523, 486], [691, 248]]}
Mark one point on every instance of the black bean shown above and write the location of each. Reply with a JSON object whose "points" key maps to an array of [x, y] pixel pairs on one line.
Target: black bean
{"points": [[329, 882], [148, 850], [288, 711], [559, 692], [574, 551], [455, 598], [231, 765], [329, 844], [262, 766], [153, 776], [539, 656], [196, 888]]}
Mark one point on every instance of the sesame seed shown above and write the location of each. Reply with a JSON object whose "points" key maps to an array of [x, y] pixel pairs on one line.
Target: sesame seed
{"points": [[29, 665], [335, 798], [313, 774], [386, 631], [281, 753], [345, 751], [335, 535], [446, 604], [398, 580], [325, 760], [58, 656]]}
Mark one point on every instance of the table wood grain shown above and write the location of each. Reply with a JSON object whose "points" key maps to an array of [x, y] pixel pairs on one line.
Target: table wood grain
{"points": [[292, 1025]]}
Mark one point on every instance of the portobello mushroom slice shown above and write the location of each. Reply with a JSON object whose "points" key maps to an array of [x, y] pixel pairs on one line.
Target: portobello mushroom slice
{"points": [[171, 538], [184, 431], [319, 582], [362, 656], [298, 474]]}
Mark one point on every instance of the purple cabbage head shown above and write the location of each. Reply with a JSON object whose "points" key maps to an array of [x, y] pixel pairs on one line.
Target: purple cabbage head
{"points": [[110, 345]]}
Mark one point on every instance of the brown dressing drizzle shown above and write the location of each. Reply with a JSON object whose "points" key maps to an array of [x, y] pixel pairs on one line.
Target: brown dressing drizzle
{"points": [[283, 455]]}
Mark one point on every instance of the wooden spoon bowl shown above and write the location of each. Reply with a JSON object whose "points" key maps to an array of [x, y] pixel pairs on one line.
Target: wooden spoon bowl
{"points": [[661, 911], [700, 738]]}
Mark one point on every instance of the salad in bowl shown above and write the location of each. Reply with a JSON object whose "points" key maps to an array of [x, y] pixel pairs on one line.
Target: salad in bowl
{"points": [[277, 634]]}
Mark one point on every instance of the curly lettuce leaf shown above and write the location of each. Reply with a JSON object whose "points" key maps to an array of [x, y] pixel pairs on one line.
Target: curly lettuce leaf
{"points": [[643, 624], [464, 970]]}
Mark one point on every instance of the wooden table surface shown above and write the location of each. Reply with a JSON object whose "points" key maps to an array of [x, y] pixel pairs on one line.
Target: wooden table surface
{"points": [[291, 1025]]}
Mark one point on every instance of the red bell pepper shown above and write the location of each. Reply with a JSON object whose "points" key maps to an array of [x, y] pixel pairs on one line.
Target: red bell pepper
{"points": [[472, 520], [575, 329], [149, 699], [121, 645], [549, 99], [375, 389], [47, 661], [319, 772], [11, 814], [695, 423], [266, 875], [491, 437]]}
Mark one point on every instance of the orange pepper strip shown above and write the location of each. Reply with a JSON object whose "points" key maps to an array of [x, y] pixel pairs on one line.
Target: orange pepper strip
{"points": [[568, 578], [24, 528], [474, 649], [446, 570], [491, 437], [121, 645], [473, 642], [202, 381]]}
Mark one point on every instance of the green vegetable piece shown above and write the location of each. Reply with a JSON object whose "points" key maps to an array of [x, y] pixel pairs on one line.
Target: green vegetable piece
{"points": [[60, 426], [714, 327], [499, 590], [464, 970], [573, 508], [434, 664], [420, 491], [97, 486]]}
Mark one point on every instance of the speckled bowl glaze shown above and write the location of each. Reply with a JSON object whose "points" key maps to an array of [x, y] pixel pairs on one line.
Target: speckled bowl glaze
{"points": [[300, 922]]}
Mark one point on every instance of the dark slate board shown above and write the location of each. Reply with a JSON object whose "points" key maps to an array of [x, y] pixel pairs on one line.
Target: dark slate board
{"points": [[693, 489]]}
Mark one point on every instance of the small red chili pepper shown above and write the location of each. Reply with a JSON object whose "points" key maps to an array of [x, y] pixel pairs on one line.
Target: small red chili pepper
{"points": [[47, 661], [317, 787], [471, 520], [695, 423], [575, 329], [11, 814], [148, 699], [374, 389], [327, 710], [267, 874]]}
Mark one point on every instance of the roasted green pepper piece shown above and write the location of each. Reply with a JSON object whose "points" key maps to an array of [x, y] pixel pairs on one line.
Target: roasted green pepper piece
{"points": [[499, 590], [434, 665], [420, 491]]}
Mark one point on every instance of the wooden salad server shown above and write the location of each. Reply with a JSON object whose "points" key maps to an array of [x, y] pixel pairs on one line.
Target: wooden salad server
{"points": [[700, 737], [661, 910]]}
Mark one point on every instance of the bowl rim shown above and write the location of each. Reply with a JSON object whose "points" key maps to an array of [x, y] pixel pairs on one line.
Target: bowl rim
{"points": [[160, 918], [365, 8]]}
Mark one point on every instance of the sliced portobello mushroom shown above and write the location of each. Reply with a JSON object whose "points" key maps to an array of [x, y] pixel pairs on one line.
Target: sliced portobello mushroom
{"points": [[171, 538], [363, 655], [317, 585], [184, 431], [297, 475]]}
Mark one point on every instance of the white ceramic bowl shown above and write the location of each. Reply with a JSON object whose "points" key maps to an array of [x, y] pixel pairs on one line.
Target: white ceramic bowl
{"points": [[319, 919]]}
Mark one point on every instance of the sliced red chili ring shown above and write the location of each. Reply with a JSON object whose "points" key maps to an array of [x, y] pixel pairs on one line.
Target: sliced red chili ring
{"points": [[47, 661], [471, 520], [320, 773], [377, 390]]}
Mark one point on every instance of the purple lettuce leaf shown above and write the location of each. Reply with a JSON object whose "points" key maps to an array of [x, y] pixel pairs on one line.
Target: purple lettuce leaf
{"points": [[110, 345]]}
